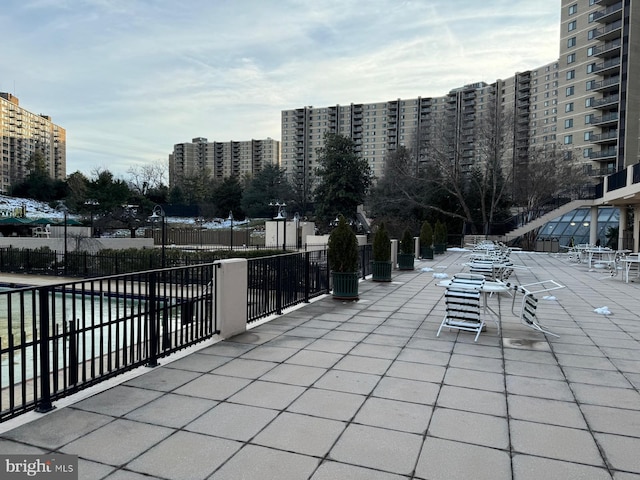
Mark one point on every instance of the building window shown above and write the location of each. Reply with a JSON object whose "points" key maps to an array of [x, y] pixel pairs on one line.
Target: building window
{"points": [[589, 102], [571, 74], [591, 51], [588, 119], [591, 67], [591, 17], [571, 42], [572, 26], [573, 9], [570, 90], [568, 107], [568, 123], [590, 85], [571, 58], [586, 153], [568, 139], [587, 135], [591, 34]]}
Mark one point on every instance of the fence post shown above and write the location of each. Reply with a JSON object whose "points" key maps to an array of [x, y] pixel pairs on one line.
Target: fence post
{"points": [[73, 353], [44, 404], [307, 276], [279, 286], [151, 322]]}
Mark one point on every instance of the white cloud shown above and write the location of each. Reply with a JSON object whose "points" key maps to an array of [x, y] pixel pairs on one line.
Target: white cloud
{"points": [[129, 79]]}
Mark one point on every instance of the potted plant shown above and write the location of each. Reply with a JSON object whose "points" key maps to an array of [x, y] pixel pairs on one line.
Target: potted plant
{"points": [[381, 264], [439, 237], [406, 255], [343, 261], [426, 241]]}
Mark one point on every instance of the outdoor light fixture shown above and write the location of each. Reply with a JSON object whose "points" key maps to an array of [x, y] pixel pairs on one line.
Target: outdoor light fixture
{"points": [[231, 239], [158, 214]]}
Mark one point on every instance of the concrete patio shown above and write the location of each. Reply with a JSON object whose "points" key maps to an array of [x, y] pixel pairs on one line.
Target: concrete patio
{"points": [[365, 390]]}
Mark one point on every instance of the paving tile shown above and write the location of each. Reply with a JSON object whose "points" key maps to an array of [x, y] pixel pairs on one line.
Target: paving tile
{"points": [[232, 421], [332, 346], [536, 370], [117, 442], [180, 457], [561, 443], [268, 353], [472, 400], [300, 434], [416, 371], [407, 390], [254, 337], [260, 463], [474, 379], [385, 339], [267, 395], [541, 410], [621, 452], [244, 368], [442, 459], [469, 427], [58, 428], [228, 348], [10, 447], [542, 388], [118, 400], [355, 363], [477, 363], [424, 356], [607, 396], [171, 410], [345, 336], [313, 358], [290, 341], [527, 467], [335, 470], [596, 377], [294, 374], [350, 382], [198, 362], [214, 387], [162, 379], [395, 415], [328, 404], [376, 351], [377, 448], [89, 470], [612, 420]]}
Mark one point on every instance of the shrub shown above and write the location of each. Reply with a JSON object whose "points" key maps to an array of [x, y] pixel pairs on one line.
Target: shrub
{"points": [[381, 245], [343, 248], [426, 235], [406, 244]]}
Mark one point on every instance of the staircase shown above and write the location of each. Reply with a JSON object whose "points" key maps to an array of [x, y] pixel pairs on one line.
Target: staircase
{"points": [[547, 217]]}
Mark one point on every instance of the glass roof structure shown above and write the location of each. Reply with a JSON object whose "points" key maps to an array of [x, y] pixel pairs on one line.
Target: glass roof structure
{"points": [[573, 227]]}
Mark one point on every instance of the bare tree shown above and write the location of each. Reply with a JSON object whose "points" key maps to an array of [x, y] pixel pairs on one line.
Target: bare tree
{"points": [[143, 178]]}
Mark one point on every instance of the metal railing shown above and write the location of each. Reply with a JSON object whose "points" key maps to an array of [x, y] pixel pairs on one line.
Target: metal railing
{"points": [[58, 339]]}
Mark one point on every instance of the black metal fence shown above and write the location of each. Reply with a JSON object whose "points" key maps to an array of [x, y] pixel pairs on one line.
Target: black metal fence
{"points": [[56, 340]]}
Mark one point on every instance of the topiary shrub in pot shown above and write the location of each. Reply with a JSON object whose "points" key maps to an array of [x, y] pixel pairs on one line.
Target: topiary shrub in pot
{"points": [[426, 241], [406, 255], [439, 237], [343, 261], [381, 264]]}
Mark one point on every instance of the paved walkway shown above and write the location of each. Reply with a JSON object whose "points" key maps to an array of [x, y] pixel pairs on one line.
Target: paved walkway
{"points": [[366, 390]]}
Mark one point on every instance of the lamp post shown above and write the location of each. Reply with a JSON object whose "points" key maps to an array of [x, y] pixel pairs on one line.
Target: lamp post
{"points": [[296, 221], [231, 237], [200, 222], [158, 214], [91, 204], [65, 210], [281, 215]]}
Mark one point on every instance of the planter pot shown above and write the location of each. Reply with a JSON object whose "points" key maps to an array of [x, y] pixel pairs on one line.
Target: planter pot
{"points": [[405, 261], [345, 285], [381, 271], [439, 248], [426, 253]]}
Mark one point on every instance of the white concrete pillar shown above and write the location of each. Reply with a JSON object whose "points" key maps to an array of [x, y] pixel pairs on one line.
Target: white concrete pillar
{"points": [[416, 247], [231, 291], [622, 225], [593, 226], [636, 228], [394, 253]]}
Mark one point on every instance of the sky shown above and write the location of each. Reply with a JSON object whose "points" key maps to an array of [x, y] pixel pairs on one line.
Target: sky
{"points": [[129, 79]]}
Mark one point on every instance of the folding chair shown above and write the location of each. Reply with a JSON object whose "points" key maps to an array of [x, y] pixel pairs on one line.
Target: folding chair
{"points": [[463, 310], [529, 305], [470, 280]]}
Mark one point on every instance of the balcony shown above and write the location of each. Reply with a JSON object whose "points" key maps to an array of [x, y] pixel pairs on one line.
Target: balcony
{"points": [[608, 67], [609, 32], [609, 14], [608, 84], [605, 137], [608, 119], [606, 102], [604, 155], [608, 49]]}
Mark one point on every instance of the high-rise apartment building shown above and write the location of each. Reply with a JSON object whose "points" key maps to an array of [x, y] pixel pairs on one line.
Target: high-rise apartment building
{"points": [[22, 133], [587, 101], [220, 160]]}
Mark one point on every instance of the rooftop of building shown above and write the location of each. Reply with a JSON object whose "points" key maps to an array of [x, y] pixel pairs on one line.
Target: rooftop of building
{"points": [[366, 390]]}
